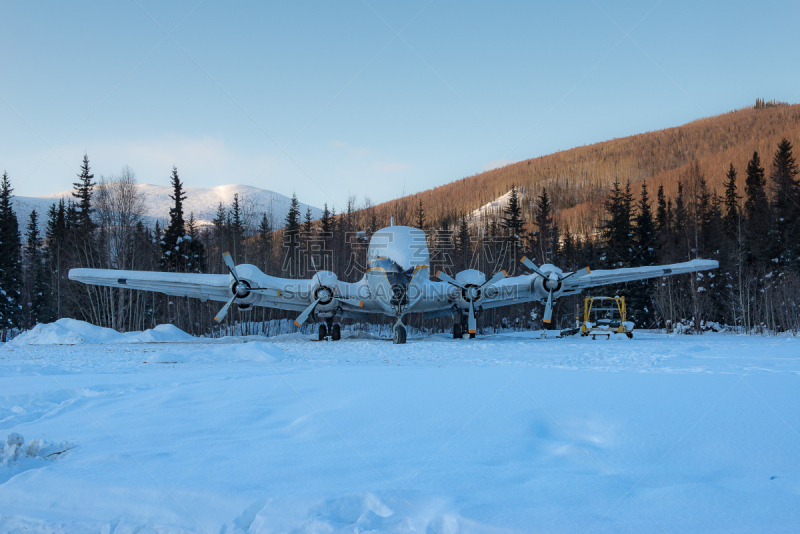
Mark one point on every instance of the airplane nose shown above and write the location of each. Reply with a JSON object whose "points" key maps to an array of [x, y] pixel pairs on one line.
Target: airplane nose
{"points": [[399, 293]]}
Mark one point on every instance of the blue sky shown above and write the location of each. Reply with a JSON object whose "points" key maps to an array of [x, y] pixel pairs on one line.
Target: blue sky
{"points": [[365, 98]]}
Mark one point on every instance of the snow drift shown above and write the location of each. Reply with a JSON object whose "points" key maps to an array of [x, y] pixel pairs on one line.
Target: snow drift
{"points": [[74, 332]]}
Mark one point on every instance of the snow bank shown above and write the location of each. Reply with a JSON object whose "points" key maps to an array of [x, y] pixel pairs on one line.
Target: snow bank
{"points": [[74, 332]]}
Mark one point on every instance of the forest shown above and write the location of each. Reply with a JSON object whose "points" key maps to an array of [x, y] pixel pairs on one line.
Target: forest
{"points": [[746, 216]]}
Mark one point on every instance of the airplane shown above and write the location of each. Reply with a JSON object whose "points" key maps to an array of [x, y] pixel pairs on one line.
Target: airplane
{"points": [[397, 281]]}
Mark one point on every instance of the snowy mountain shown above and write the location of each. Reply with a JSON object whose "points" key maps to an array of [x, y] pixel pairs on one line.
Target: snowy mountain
{"points": [[202, 201]]}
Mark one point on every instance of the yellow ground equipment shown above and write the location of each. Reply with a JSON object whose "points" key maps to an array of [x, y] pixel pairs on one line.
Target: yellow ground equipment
{"points": [[605, 316]]}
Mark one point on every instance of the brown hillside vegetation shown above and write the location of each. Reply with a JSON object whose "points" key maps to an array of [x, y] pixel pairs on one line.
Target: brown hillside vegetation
{"points": [[578, 179]]}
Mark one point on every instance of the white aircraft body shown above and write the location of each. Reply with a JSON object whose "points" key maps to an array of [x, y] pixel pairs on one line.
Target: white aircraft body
{"points": [[397, 281]]}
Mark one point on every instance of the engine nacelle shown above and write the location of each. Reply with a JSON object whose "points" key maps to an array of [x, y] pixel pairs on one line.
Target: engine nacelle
{"points": [[249, 276], [471, 280], [325, 287], [541, 286]]}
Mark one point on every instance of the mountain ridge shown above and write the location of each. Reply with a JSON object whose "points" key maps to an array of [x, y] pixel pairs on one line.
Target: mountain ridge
{"points": [[203, 202]]}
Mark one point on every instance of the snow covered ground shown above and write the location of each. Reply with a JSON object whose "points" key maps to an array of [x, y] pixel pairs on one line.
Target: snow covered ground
{"points": [[505, 433]]}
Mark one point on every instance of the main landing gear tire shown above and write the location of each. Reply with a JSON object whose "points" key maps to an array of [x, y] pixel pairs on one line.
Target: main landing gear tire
{"points": [[457, 334], [399, 334], [336, 332], [323, 332]]}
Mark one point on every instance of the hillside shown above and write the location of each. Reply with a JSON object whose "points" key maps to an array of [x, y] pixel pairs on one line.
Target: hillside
{"points": [[577, 179]]}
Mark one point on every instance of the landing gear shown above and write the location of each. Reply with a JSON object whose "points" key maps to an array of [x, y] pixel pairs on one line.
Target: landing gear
{"points": [[330, 329], [399, 334], [457, 333]]}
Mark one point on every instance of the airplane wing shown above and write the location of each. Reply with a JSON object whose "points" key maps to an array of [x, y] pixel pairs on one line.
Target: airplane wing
{"points": [[200, 286], [632, 274], [518, 289], [281, 293]]}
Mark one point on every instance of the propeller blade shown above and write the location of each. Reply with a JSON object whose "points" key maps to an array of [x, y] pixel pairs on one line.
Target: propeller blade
{"points": [[580, 273], [496, 278], [303, 316], [446, 278], [224, 311], [548, 308], [473, 327], [530, 265], [231, 267]]}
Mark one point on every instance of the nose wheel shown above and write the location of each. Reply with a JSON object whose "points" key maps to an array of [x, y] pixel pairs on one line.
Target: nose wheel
{"points": [[399, 334]]}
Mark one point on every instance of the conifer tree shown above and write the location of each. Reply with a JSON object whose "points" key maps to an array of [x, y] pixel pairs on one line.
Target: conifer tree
{"points": [[55, 236], [10, 264], [308, 223], [39, 309], [237, 229], [785, 205], [194, 247], [512, 216], [420, 216], [291, 236], [265, 241], [542, 241], [173, 258], [661, 211], [731, 215], [645, 233], [82, 192], [617, 232], [326, 236], [756, 210]]}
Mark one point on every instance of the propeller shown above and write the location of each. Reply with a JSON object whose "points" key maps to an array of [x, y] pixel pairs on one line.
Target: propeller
{"points": [[231, 267], [236, 291], [551, 282], [548, 308], [224, 311], [472, 292], [473, 323], [240, 288], [303, 316]]}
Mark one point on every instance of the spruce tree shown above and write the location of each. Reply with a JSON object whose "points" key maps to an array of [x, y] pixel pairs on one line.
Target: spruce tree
{"points": [[173, 258], [39, 305], [785, 205], [645, 233], [420, 216], [661, 211], [292, 235], [512, 217], [10, 264], [194, 247], [82, 192], [756, 210], [731, 214], [308, 223], [236, 225], [326, 234], [542, 240], [617, 231], [55, 258]]}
